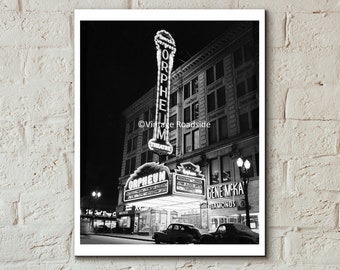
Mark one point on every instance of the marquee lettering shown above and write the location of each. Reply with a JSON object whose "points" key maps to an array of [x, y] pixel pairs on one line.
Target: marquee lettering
{"points": [[225, 190]]}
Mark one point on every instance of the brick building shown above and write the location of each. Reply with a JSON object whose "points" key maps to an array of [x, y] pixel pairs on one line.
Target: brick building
{"points": [[219, 85]]}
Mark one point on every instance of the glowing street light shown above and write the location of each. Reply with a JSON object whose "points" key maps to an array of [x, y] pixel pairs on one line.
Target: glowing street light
{"points": [[245, 166], [96, 195]]}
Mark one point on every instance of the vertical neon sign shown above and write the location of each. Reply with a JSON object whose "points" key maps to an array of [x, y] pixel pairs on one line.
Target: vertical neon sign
{"points": [[166, 48]]}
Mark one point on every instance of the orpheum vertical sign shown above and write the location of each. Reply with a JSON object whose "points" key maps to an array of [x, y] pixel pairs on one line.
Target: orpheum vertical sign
{"points": [[166, 49]]}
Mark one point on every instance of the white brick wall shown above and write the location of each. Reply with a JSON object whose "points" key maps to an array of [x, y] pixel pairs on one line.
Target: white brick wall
{"points": [[36, 136]]}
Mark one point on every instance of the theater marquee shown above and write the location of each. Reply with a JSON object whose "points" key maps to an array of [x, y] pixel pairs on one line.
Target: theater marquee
{"points": [[188, 180], [148, 181]]}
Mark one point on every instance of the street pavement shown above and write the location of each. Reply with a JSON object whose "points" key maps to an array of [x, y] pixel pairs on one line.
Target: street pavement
{"points": [[111, 239]]}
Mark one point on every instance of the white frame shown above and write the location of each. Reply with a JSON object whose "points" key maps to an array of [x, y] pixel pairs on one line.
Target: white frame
{"points": [[170, 250]]}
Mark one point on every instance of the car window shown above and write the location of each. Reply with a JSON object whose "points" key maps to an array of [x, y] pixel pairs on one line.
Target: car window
{"points": [[170, 227], [182, 228], [222, 229], [176, 227]]}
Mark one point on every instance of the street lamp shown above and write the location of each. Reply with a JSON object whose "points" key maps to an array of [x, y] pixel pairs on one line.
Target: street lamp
{"points": [[245, 166], [95, 195]]}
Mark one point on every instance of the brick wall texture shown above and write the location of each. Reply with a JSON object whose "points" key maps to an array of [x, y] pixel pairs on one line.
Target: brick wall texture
{"points": [[303, 144]]}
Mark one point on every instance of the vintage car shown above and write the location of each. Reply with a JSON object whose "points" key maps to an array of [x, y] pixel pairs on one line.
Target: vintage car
{"points": [[178, 233], [231, 233]]}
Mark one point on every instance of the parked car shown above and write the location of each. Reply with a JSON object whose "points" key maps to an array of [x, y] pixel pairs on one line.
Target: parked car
{"points": [[178, 233], [231, 233]]}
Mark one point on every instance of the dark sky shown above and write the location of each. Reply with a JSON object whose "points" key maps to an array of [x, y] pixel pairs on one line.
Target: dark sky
{"points": [[118, 65]]}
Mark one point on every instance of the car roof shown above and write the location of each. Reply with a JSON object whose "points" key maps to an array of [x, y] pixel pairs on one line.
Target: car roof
{"points": [[183, 224]]}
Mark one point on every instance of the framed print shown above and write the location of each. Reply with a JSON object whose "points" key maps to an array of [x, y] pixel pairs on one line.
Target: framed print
{"points": [[169, 133]]}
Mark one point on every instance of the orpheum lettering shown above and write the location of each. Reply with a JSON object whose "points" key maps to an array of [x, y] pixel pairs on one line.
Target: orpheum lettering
{"points": [[147, 180], [225, 190], [166, 49]]}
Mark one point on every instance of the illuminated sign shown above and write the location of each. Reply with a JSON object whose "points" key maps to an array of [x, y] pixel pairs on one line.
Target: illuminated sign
{"points": [[149, 180], [240, 204], [225, 190], [166, 49], [225, 204], [188, 180]]}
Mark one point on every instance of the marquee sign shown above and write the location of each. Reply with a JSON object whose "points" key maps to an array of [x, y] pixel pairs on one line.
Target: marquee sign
{"points": [[149, 180], [188, 179], [166, 49]]}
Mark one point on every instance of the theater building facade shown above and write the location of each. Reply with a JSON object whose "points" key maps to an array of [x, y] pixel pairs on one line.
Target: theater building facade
{"points": [[214, 108]]}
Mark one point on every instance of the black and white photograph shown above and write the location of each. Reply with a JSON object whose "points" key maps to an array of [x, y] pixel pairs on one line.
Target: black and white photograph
{"points": [[170, 133]]}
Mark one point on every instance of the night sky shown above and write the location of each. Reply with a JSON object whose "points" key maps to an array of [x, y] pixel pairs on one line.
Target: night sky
{"points": [[118, 65]]}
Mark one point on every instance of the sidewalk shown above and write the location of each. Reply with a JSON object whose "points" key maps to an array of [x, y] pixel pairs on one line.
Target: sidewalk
{"points": [[129, 236]]}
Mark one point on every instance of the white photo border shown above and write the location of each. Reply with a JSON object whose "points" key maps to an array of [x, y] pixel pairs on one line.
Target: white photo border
{"points": [[169, 250]]}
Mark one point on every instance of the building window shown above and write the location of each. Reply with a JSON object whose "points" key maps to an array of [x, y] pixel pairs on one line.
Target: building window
{"points": [[134, 143], [152, 113], [211, 102], [244, 54], [195, 140], [210, 75], [127, 167], [129, 146], [215, 72], [173, 99], [255, 118], [136, 123], [150, 156], [194, 111], [216, 99], [241, 89], [187, 114], [172, 122], [219, 70], [244, 122], [238, 57], [187, 143], [186, 90], [218, 130], [173, 143], [145, 137], [220, 96], [223, 127], [146, 116], [143, 158], [194, 86], [132, 164], [212, 132], [249, 120], [214, 171], [150, 133], [130, 126], [226, 166], [246, 84], [191, 88]]}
